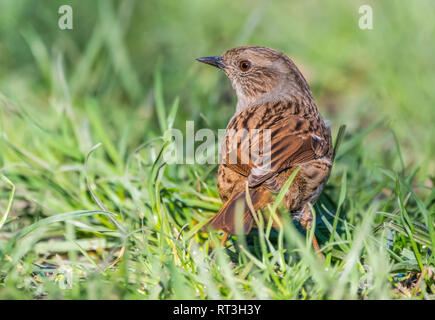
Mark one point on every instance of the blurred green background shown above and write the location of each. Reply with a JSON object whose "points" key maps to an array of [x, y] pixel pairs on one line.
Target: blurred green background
{"points": [[357, 77], [118, 77]]}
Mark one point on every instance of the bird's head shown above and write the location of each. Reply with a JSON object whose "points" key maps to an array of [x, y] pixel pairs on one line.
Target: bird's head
{"points": [[260, 74]]}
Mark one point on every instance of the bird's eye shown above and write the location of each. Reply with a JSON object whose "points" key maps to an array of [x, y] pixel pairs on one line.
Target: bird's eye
{"points": [[245, 65]]}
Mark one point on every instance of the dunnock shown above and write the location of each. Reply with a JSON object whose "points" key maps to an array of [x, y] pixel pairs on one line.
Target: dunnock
{"points": [[276, 103]]}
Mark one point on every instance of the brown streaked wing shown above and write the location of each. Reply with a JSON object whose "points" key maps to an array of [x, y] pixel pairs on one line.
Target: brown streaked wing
{"points": [[292, 142]]}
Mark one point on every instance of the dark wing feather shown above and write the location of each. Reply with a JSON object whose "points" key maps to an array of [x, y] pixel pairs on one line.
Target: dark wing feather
{"points": [[290, 139], [225, 219]]}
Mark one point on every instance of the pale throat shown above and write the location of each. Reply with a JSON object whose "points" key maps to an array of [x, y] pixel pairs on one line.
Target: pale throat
{"points": [[244, 101], [284, 91]]}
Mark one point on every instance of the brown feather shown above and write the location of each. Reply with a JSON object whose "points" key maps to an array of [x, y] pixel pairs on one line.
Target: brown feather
{"points": [[274, 98], [226, 218], [294, 140]]}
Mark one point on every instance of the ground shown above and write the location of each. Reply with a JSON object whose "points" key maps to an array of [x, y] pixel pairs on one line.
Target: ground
{"points": [[90, 210]]}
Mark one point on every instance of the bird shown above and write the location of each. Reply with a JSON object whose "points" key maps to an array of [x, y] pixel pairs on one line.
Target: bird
{"points": [[275, 130]]}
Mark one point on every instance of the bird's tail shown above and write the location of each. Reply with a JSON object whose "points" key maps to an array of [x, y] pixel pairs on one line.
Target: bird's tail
{"points": [[226, 219]]}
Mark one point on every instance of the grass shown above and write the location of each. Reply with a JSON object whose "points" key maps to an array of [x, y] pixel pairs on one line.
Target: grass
{"points": [[89, 209]]}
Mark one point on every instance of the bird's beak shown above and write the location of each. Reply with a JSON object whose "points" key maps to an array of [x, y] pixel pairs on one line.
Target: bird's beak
{"points": [[213, 61]]}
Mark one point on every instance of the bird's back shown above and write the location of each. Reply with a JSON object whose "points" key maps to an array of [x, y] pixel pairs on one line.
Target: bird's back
{"points": [[298, 138]]}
